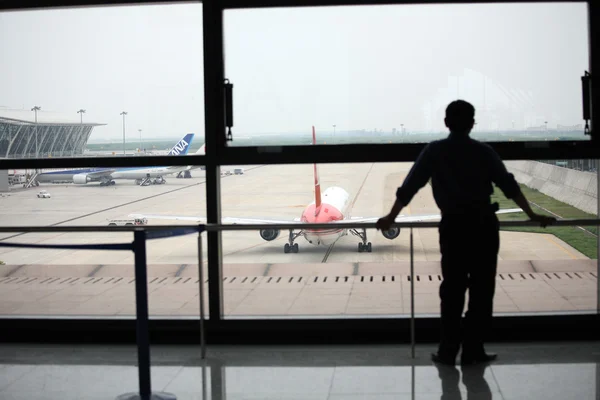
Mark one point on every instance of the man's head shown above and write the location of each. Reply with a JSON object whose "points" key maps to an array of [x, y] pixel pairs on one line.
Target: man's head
{"points": [[460, 117]]}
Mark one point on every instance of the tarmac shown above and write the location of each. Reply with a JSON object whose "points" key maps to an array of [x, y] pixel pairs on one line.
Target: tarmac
{"points": [[537, 272]]}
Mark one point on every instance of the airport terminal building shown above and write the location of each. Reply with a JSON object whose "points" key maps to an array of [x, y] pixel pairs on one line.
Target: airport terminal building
{"points": [[57, 134]]}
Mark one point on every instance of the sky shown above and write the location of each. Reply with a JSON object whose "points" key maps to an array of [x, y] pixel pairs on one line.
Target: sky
{"points": [[356, 67]]}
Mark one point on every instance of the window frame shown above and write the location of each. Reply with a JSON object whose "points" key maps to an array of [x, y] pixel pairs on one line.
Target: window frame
{"points": [[219, 154]]}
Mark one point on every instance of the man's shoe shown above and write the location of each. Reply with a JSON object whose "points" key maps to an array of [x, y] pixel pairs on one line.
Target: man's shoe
{"points": [[436, 358], [480, 358]]}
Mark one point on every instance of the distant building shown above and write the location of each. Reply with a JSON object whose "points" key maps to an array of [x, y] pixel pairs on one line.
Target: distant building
{"points": [[57, 134], [570, 128]]}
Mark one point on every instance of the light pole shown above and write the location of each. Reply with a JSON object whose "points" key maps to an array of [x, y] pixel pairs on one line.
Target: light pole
{"points": [[123, 113], [140, 131], [546, 124], [401, 129], [334, 132], [35, 109], [81, 112]]}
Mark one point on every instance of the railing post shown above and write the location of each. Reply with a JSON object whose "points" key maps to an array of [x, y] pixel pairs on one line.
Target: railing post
{"points": [[412, 296], [141, 305], [142, 327], [201, 295]]}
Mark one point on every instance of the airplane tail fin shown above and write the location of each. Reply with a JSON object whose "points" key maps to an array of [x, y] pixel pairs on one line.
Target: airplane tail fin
{"points": [[182, 147], [202, 150], [317, 182]]}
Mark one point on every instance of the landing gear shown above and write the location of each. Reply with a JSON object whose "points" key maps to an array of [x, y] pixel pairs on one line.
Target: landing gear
{"points": [[292, 247], [159, 180], [107, 183], [363, 246]]}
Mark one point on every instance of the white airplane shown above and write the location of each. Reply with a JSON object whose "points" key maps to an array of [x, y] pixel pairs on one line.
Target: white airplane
{"points": [[332, 206], [143, 176]]}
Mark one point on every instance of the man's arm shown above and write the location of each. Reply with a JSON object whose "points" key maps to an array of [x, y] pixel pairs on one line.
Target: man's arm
{"points": [[524, 204], [417, 178], [509, 186]]}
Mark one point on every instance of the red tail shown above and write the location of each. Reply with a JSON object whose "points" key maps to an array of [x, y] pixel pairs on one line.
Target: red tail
{"points": [[317, 183]]}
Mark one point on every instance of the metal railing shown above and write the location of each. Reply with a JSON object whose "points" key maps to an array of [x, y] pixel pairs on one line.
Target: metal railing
{"points": [[150, 232]]}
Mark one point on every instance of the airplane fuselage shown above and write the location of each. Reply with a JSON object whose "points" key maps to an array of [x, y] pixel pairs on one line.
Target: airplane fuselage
{"points": [[121, 173], [150, 172], [334, 207]]}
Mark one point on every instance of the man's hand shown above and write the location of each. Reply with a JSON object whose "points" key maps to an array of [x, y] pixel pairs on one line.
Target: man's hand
{"points": [[542, 219], [384, 223]]}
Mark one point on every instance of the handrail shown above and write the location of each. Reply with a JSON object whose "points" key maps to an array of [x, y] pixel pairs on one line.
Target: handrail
{"points": [[145, 232], [253, 227]]}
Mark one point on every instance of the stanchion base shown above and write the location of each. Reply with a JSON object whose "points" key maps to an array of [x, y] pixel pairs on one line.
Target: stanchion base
{"points": [[153, 396]]}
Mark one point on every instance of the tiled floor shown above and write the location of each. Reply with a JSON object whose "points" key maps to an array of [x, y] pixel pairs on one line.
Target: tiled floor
{"points": [[523, 371]]}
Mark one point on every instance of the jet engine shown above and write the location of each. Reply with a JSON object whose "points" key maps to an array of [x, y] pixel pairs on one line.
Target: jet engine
{"points": [[80, 179], [269, 234], [391, 233]]}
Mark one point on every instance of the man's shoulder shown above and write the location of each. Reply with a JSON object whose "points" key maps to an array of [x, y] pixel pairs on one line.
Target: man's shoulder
{"points": [[437, 143], [481, 145]]}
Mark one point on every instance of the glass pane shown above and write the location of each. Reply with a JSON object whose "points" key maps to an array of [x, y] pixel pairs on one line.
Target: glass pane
{"points": [[550, 269], [100, 282], [539, 270], [380, 74], [70, 91]]}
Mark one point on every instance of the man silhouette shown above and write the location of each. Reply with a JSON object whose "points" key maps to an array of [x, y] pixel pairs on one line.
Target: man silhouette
{"points": [[462, 171]]}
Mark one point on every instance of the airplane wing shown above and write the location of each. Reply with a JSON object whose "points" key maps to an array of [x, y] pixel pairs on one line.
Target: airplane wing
{"points": [[421, 218], [260, 221], [170, 217], [100, 174], [225, 220]]}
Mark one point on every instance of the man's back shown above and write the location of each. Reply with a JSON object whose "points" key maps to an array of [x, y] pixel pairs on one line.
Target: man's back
{"points": [[462, 171], [463, 174]]}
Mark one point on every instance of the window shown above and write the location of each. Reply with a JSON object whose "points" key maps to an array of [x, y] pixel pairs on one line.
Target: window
{"points": [[135, 89], [100, 282], [539, 270], [384, 74]]}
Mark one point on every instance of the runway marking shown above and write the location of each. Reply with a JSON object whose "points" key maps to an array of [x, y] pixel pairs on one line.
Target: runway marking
{"points": [[330, 249], [127, 204], [558, 216], [328, 252], [549, 238], [15, 270], [95, 270], [267, 269], [180, 270]]}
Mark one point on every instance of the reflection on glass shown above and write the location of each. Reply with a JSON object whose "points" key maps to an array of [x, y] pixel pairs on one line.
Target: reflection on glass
{"points": [[354, 73]]}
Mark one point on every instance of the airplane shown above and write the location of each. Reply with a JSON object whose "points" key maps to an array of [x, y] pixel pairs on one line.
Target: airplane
{"points": [[187, 173], [143, 176], [331, 206]]}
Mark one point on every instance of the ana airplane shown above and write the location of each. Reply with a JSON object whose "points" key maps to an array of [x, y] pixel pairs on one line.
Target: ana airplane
{"points": [[143, 176], [330, 206]]}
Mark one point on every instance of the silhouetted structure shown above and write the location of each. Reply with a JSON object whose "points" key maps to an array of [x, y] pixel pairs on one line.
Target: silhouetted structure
{"points": [[462, 171]]}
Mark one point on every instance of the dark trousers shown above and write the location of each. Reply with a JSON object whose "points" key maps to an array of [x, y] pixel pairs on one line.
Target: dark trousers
{"points": [[469, 260]]}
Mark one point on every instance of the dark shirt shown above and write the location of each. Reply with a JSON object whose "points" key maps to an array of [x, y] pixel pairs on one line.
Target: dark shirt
{"points": [[462, 171]]}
